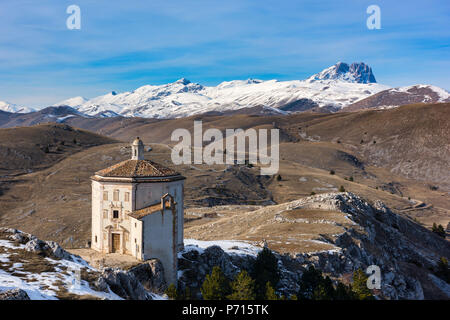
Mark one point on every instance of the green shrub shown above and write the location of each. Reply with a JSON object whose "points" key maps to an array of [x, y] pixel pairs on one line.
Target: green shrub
{"points": [[439, 230], [270, 292], [172, 292]]}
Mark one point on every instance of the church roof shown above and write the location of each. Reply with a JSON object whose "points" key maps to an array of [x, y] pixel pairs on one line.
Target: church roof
{"points": [[137, 169], [138, 214]]}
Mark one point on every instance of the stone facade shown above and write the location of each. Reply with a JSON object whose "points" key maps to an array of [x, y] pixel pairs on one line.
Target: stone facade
{"points": [[137, 209]]}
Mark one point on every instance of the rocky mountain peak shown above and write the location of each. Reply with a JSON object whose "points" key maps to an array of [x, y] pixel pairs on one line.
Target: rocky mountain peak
{"points": [[357, 72]]}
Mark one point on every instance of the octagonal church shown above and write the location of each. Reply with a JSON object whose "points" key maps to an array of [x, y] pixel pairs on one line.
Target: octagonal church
{"points": [[137, 209]]}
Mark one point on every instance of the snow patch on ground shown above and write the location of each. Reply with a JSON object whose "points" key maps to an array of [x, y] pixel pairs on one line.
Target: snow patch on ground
{"points": [[45, 285], [229, 246]]}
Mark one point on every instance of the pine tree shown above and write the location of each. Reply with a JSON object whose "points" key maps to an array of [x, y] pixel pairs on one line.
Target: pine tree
{"points": [[313, 286], [216, 286], [265, 269], [324, 290], [242, 287], [359, 286], [309, 282], [341, 189], [270, 292]]}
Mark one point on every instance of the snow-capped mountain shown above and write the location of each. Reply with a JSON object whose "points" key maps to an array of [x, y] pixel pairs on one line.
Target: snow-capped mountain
{"points": [[13, 108], [72, 102], [337, 86], [356, 72]]}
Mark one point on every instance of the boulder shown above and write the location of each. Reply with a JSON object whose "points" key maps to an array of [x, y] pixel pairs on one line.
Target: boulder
{"points": [[151, 275], [124, 284], [14, 294], [57, 251], [36, 245]]}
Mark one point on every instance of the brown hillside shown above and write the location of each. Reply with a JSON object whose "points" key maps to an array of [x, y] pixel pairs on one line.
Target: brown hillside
{"points": [[25, 149]]}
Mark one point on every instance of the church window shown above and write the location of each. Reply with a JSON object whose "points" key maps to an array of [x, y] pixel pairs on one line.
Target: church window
{"points": [[127, 196], [116, 214], [95, 239], [105, 214], [105, 195], [116, 195]]}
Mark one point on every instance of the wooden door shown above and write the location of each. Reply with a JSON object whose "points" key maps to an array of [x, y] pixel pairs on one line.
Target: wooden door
{"points": [[115, 242]]}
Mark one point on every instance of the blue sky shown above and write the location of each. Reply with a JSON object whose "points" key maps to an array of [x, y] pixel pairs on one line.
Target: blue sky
{"points": [[126, 44]]}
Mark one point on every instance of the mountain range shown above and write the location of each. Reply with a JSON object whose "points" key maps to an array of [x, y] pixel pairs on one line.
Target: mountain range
{"points": [[13, 108], [339, 87]]}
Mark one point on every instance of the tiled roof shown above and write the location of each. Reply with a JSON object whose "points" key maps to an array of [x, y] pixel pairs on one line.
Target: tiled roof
{"points": [[137, 169], [138, 214]]}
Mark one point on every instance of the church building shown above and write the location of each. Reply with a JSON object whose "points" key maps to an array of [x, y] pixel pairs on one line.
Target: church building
{"points": [[137, 209]]}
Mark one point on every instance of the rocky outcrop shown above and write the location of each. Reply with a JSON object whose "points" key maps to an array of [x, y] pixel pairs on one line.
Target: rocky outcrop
{"points": [[122, 283], [150, 275], [14, 294], [137, 283], [406, 252], [33, 244], [142, 282]]}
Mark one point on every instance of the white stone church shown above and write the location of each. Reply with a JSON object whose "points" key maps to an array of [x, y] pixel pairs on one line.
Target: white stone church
{"points": [[137, 209]]}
